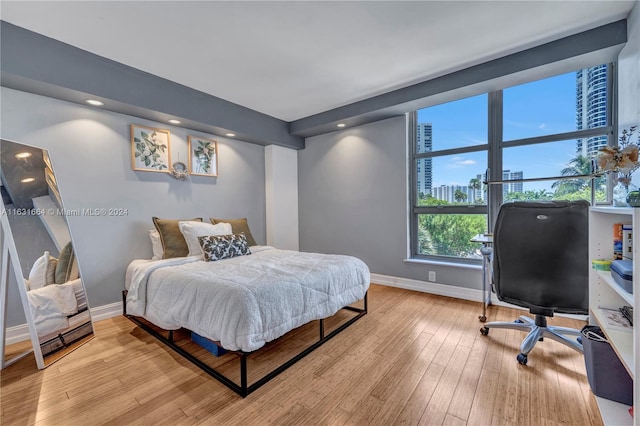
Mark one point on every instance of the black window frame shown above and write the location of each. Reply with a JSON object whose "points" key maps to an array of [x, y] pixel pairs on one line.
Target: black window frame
{"points": [[494, 148]]}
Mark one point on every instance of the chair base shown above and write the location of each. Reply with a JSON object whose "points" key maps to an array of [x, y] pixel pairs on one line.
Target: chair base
{"points": [[537, 330]]}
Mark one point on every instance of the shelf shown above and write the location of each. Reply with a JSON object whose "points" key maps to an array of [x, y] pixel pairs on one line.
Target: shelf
{"points": [[605, 292], [614, 413], [621, 342], [613, 210], [608, 279]]}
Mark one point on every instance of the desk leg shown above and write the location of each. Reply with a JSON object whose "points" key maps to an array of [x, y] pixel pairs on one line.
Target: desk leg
{"points": [[486, 291]]}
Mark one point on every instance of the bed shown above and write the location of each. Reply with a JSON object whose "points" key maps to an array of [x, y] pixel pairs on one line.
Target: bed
{"points": [[243, 302]]}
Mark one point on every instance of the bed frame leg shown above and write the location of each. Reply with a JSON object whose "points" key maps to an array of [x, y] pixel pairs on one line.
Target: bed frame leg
{"points": [[243, 375], [124, 302], [321, 329]]}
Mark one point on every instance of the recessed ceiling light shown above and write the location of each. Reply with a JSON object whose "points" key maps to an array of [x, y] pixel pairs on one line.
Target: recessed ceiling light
{"points": [[27, 180], [174, 121], [230, 134], [94, 102], [22, 155], [341, 125]]}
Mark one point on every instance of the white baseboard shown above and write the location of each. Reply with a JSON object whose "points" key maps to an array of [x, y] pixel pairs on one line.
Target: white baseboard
{"points": [[20, 332], [449, 291], [433, 288], [106, 311]]}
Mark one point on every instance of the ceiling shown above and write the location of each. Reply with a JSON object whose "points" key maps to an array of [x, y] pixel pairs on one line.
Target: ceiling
{"points": [[293, 59], [13, 170]]}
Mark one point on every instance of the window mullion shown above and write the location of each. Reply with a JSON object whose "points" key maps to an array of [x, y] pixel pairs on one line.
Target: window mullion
{"points": [[495, 156]]}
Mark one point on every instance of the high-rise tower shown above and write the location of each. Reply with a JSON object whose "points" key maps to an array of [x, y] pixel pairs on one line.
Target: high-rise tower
{"points": [[424, 173], [591, 107]]}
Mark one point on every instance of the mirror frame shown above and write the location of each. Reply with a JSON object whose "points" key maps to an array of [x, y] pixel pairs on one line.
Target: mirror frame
{"points": [[10, 260]]}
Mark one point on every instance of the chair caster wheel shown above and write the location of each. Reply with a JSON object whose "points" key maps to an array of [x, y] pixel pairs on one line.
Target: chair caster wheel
{"points": [[482, 318], [519, 321], [484, 331], [579, 339], [522, 359]]}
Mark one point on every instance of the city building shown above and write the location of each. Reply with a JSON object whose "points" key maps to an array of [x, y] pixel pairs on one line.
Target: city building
{"points": [[591, 107], [424, 142]]}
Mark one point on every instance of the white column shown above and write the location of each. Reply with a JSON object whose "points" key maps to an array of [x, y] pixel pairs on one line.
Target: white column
{"points": [[281, 193]]}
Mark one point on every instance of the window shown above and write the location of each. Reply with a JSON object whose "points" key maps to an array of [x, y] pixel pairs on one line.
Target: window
{"points": [[536, 135]]}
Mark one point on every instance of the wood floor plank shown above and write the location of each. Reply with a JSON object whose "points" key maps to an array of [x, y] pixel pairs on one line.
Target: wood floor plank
{"points": [[414, 358]]}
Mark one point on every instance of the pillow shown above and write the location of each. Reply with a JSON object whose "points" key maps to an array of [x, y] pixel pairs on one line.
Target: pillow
{"points": [[156, 244], [67, 267], [224, 246], [173, 243], [42, 272], [192, 230], [239, 226]]}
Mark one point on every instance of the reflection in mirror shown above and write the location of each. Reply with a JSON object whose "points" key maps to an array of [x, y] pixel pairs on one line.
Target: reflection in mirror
{"points": [[49, 276]]}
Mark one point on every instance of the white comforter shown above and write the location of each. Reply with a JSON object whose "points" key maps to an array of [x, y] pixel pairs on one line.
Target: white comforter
{"points": [[246, 301]]}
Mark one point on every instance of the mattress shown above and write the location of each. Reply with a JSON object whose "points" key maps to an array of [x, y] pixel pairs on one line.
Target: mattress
{"points": [[245, 301]]}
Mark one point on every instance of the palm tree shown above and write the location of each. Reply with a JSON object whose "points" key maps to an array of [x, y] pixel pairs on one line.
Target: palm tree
{"points": [[579, 165], [459, 196], [475, 184]]}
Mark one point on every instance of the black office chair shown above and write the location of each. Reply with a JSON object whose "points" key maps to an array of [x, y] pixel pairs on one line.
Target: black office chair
{"points": [[540, 262]]}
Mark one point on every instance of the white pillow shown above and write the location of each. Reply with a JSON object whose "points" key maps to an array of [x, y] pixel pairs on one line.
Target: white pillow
{"points": [[192, 230], [38, 273], [156, 245]]}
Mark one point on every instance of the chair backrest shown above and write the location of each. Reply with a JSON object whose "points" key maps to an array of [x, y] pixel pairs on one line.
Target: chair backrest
{"points": [[541, 256]]}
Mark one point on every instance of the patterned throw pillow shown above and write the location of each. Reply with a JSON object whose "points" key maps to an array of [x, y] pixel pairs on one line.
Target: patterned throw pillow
{"points": [[216, 247]]}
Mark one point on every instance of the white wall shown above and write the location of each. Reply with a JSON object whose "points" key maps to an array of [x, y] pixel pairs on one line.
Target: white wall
{"points": [[281, 192], [91, 156]]}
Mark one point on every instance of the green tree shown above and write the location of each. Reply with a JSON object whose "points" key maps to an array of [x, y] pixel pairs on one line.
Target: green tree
{"points": [[459, 196], [475, 184], [530, 195], [450, 234], [579, 165]]}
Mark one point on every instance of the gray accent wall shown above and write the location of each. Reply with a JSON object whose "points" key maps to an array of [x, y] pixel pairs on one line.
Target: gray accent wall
{"points": [[91, 155], [353, 200]]}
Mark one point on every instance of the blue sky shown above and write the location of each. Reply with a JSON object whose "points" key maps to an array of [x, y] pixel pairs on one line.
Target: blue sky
{"points": [[539, 108]]}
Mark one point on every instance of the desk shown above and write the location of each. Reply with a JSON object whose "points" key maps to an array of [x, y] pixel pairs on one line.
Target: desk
{"points": [[487, 241]]}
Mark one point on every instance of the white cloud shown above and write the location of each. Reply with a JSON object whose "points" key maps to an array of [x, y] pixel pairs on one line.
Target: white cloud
{"points": [[459, 162]]}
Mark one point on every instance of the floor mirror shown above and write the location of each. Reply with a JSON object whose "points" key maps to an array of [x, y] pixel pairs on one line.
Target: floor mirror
{"points": [[41, 276]]}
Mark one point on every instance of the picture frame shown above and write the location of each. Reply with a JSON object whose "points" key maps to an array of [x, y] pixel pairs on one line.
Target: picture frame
{"points": [[150, 149], [203, 156], [52, 184], [46, 159]]}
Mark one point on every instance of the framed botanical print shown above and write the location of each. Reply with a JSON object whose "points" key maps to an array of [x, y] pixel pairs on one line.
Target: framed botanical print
{"points": [[203, 156], [150, 149]]}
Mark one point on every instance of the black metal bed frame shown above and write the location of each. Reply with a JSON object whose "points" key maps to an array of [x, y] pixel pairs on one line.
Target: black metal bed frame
{"points": [[244, 389]]}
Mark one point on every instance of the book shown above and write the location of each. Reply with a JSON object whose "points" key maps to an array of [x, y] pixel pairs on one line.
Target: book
{"points": [[627, 242], [614, 320], [617, 241]]}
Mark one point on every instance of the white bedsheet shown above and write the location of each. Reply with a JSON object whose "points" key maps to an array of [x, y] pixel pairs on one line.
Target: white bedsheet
{"points": [[245, 301]]}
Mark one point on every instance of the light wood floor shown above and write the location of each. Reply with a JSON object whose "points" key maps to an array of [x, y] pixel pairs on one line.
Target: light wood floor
{"points": [[414, 359]]}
